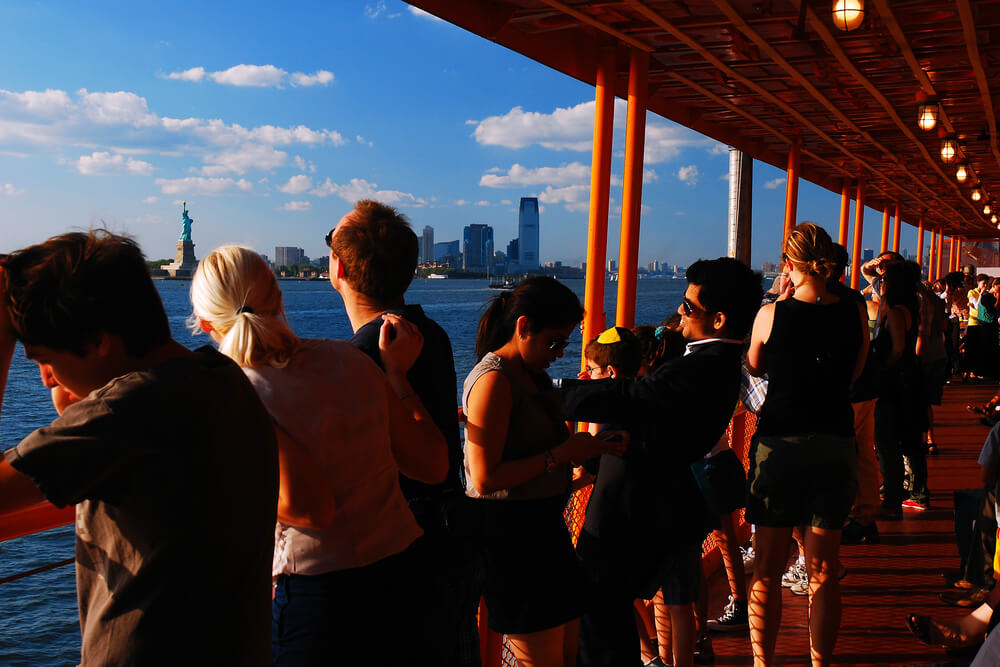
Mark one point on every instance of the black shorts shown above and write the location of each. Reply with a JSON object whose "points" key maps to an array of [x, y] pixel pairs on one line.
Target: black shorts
{"points": [[680, 576], [533, 578], [796, 480]]}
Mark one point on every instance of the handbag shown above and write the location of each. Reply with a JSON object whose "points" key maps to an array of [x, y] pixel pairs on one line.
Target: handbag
{"points": [[722, 481]]}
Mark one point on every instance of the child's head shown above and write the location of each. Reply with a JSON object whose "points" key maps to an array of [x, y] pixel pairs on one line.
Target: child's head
{"points": [[615, 353], [65, 293]]}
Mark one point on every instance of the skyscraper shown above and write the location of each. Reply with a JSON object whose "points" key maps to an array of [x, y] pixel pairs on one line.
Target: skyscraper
{"points": [[477, 252], [289, 256], [427, 246], [527, 234]]}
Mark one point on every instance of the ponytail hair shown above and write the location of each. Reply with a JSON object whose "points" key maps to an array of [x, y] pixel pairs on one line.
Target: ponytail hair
{"points": [[811, 250], [545, 301], [236, 293]]}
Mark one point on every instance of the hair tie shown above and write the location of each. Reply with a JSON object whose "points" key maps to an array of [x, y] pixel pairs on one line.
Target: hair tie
{"points": [[244, 309], [659, 333]]}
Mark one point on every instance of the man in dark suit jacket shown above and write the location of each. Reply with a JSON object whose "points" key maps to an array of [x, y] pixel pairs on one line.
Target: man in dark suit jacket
{"points": [[646, 518]]}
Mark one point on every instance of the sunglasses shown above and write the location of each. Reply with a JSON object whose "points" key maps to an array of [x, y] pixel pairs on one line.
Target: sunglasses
{"points": [[687, 307], [559, 344], [328, 238]]}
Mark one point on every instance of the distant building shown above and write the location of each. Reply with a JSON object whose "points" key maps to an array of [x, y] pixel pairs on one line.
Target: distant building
{"points": [[769, 267], [266, 259], [512, 257], [612, 266], [527, 234], [427, 245], [448, 252], [477, 250], [867, 254], [289, 256]]}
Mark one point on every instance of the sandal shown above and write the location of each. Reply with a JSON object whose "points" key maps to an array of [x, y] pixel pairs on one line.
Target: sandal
{"points": [[933, 633]]}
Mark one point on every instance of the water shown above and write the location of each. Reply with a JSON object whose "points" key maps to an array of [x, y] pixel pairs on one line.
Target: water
{"points": [[38, 616]]}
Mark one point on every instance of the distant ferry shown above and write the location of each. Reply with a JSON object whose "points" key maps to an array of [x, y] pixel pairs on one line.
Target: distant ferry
{"points": [[436, 276]]}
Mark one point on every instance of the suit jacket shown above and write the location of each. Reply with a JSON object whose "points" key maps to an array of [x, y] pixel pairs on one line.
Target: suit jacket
{"points": [[646, 504]]}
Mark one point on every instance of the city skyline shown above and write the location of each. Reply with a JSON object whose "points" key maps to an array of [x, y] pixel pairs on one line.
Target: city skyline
{"points": [[270, 126]]}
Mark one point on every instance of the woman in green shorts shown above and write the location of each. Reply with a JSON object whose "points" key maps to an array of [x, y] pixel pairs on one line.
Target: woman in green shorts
{"points": [[804, 454]]}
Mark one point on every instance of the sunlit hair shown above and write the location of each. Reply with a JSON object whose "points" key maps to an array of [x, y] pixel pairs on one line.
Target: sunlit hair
{"points": [[810, 250], [236, 293]]}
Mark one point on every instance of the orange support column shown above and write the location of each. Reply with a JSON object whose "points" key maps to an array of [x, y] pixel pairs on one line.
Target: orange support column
{"points": [[635, 138], [859, 222], [600, 184], [951, 254], [958, 254], [920, 245], [885, 230], [792, 186], [845, 213], [937, 254], [896, 225], [932, 269]]}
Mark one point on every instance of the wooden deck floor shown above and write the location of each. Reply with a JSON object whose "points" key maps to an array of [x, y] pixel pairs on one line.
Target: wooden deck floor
{"points": [[900, 575]]}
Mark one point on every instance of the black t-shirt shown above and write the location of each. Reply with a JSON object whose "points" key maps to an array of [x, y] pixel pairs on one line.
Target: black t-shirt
{"points": [[865, 388], [810, 357], [433, 379]]}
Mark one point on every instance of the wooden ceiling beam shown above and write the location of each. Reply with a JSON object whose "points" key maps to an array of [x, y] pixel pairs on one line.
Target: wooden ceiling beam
{"points": [[600, 25], [971, 42]]}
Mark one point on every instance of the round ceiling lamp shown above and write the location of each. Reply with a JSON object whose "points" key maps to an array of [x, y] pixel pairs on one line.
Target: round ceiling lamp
{"points": [[949, 149], [993, 219], [927, 114], [987, 210], [848, 14], [976, 193], [962, 172]]}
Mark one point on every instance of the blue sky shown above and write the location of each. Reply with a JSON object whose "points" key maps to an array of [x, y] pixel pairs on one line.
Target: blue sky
{"points": [[270, 119]]}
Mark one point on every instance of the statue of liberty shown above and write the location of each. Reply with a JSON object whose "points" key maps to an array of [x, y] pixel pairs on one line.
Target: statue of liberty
{"points": [[186, 226]]}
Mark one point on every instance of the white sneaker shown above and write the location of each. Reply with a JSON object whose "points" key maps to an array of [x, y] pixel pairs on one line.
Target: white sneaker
{"points": [[749, 559], [796, 573]]}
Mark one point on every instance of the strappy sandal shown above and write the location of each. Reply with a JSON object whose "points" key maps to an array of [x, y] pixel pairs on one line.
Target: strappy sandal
{"points": [[933, 633]]}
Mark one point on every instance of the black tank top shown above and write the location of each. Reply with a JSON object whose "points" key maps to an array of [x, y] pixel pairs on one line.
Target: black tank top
{"points": [[810, 356]]}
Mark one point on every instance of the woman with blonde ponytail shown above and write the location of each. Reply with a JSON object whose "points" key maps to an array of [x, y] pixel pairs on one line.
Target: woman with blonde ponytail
{"points": [[803, 459], [345, 540]]}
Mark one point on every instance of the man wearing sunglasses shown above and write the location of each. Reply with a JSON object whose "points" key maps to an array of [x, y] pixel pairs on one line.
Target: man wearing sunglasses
{"points": [[647, 518], [373, 256]]}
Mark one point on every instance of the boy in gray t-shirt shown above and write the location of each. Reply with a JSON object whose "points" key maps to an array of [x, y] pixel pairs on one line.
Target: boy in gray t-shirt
{"points": [[167, 453]]}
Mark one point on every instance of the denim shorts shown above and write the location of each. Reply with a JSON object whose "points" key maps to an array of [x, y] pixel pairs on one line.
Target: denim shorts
{"points": [[804, 479]]}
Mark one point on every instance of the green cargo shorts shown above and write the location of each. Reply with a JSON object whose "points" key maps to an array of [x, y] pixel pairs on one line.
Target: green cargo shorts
{"points": [[800, 480]]}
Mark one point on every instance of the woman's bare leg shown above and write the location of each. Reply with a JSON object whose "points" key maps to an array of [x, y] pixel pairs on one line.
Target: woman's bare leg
{"points": [[684, 634], [664, 629], [765, 591], [647, 630], [730, 547], [823, 561], [546, 648]]}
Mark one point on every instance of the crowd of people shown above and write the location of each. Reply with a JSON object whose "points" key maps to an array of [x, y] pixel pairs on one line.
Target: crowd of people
{"points": [[322, 488]]}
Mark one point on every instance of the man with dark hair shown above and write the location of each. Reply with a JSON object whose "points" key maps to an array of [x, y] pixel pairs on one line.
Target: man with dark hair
{"points": [[167, 453], [373, 256], [647, 518]]}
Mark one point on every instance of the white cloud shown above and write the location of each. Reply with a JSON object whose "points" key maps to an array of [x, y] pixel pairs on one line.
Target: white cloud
{"points": [[36, 102], [377, 9], [649, 176], [416, 11], [482, 202], [10, 190], [574, 197], [118, 108], [718, 149], [258, 76], [566, 174], [505, 202], [320, 77], [359, 188], [363, 141], [243, 159], [102, 162], [460, 202], [296, 185], [194, 74], [688, 175], [261, 76], [724, 177], [202, 186], [150, 200], [297, 206], [572, 129], [775, 183]]}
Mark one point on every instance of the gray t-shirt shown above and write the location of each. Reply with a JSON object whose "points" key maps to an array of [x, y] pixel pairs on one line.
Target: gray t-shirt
{"points": [[174, 472]]}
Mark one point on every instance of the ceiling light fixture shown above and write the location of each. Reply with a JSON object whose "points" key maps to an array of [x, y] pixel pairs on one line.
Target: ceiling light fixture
{"points": [[962, 172], [927, 114], [949, 149], [848, 14]]}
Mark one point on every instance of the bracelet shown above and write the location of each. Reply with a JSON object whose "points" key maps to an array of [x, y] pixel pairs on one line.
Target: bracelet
{"points": [[550, 460], [405, 396]]}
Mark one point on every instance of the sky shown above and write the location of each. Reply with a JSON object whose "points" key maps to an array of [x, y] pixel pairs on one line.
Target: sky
{"points": [[271, 119]]}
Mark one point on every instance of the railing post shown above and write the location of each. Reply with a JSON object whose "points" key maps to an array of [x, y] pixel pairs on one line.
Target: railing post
{"points": [[600, 185], [635, 138]]}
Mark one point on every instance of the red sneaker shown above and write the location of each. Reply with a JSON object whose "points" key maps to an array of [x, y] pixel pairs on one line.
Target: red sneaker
{"points": [[911, 504]]}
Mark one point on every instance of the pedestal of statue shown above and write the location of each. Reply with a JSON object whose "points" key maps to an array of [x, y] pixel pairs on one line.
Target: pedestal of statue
{"points": [[184, 263]]}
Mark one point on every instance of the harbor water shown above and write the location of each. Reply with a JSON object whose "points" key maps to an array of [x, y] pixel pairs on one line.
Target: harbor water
{"points": [[38, 616]]}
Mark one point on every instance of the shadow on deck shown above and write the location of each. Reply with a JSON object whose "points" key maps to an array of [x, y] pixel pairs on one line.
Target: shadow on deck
{"points": [[900, 575]]}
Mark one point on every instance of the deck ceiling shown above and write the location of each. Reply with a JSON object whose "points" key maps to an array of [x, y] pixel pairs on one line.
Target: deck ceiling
{"points": [[761, 74]]}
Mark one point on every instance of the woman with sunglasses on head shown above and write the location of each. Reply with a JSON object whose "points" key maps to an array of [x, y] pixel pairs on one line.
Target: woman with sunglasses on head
{"points": [[345, 540], [803, 460], [518, 458]]}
